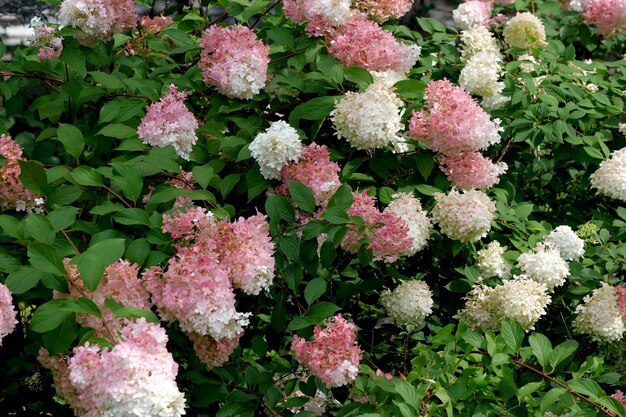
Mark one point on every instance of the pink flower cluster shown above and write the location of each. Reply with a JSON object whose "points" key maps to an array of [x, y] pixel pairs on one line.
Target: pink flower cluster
{"points": [[120, 282], [455, 126], [387, 233], [169, 122], [234, 61], [183, 181], [608, 15], [383, 10], [334, 353], [621, 299], [7, 312], [620, 396], [13, 194], [98, 19], [156, 24], [316, 171], [50, 46], [363, 43], [213, 353]]}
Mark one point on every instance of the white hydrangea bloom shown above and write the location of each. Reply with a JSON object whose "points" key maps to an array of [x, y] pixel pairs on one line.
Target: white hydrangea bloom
{"points": [[410, 303], [495, 101], [481, 73], [335, 12], [491, 263], [465, 217], [600, 317], [478, 39], [224, 321], [525, 30], [567, 242], [388, 78], [577, 5], [610, 177], [90, 17], [371, 119], [622, 128], [409, 209], [527, 67], [471, 14], [544, 265], [272, 149]]}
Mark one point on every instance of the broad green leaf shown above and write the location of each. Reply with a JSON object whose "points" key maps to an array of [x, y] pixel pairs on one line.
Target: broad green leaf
{"points": [[314, 290], [72, 139], [302, 196]]}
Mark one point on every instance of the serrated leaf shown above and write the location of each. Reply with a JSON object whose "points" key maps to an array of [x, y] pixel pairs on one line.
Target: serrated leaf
{"points": [[302, 196], [541, 348], [314, 290], [72, 139], [513, 334]]}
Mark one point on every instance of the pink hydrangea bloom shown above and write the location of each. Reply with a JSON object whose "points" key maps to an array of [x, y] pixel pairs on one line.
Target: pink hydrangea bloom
{"points": [[363, 43], [183, 181], [294, 10], [119, 282], [322, 15], [98, 19], [316, 171], [7, 312], [620, 396], [608, 15], [188, 224], [388, 234], [213, 353], [13, 194], [169, 122], [621, 299], [155, 24], [50, 46], [234, 61], [59, 366], [334, 353], [383, 10], [471, 170], [454, 122]]}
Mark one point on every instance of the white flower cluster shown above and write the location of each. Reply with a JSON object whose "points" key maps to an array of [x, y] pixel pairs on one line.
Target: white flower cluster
{"points": [[465, 217], [527, 67], [521, 299], [410, 303], [471, 13], [567, 242], [409, 209], [223, 321], [334, 12], [88, 16], [272, 149], [371, 119], [544, 265], [491, 263], [600, 316], [525, 30], [610, 178], [7, 312], [478, 39]]}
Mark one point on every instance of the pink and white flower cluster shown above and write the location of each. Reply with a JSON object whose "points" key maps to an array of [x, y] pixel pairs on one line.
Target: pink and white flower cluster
{"points": [[13, 194], [7, 312], [610, 178], [383, 10], [98, 20], [333, 355], [169, 122], [464, 216], [471, 14], [50, 46], [602, 315], [609, 16], [234, 61]]}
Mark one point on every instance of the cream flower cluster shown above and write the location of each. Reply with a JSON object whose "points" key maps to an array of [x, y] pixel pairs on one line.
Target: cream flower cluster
{"points": [[275, 147], [544, 265], [465, 217], [409, 209], [610, 177], [409, 303], [567, 242], [600, 317], [472, 13], [491, 263], [525, 30]]}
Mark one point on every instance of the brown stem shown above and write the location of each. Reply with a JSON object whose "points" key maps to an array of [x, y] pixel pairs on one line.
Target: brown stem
{"points": [[21, 245], [38, 76], [219, 19], [70, 241], [126, 203], [285, 57], [269, 9], [505, 149]]}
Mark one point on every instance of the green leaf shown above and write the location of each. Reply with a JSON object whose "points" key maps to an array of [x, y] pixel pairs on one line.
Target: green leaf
{"points": [[122, 311], [132, 216], [410, 89], [33, 176], [313, 229], [321, 310], [23, 279], [203, 174], [541, 348], [562, 352], [316, 109], [40, 229], [427, 189], [528, 389], [62, 218], [83, 305], [228, 183], [302, 196], [342, 198], [45, 258], [128, 179], [278, 208], [118, 131], [513, 334], [587, 387], [72, 139], [314, 290], [91, 263], [108, 81], [49, 316], [336, 215]]}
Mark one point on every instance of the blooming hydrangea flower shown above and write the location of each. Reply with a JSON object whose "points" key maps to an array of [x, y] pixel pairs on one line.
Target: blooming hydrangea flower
{"points": [[478, 39], [619, 396], [409, 209], [472, 13], [234, 61], [275, 147], [464, 216], [155, 24], [567, 242], [409, 303], [363, 43], [7, 312], [334, 353], [481, 73], [491, 263], [610, 177], [169, 122], [213, 353], [521, 299], [383, 10], [13, 194], [50, 46], [454, 122], [608, 15], [471, 170], [600, 317], [621, 299], [316, 171], [525, 30], [98, 19], [371, 119], [544, 265]]}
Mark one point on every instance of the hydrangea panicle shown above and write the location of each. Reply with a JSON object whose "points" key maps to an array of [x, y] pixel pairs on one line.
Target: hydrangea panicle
{"points": [[472, 13], [409, 303], [610, 178], [276, 147], [7, 312], [13, 194], [98, 20], [155, 24], [544, 265], [609, 16], [464, 216], [567, 242], [600, 316], [526, 31], [471, 170], [50, 46], [409, 209], [491, 263], [213, 353], [383, 10]]}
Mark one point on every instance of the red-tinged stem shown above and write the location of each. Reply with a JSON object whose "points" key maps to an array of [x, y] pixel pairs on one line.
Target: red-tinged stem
{"points": [[126, 203]]}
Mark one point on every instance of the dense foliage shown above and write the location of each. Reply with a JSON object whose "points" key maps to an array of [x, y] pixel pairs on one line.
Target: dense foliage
{"points": [[220, 215]]}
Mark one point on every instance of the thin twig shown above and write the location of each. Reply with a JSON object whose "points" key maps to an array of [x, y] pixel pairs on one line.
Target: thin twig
{"points": [[126, 203], [269, 9]]}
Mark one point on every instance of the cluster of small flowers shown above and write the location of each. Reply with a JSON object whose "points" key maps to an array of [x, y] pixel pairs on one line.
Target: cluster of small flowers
{"points": [[323, 15], [409, 209], [521, 299], [275, 147], [471, 170], [409, 303], [155, 24], [526, 31], [491, 263], [610, 177], [388, 234], [371, 119], [213, 353], [566, 241], [383, 10], [316, 171], [464, 216], [13, 194], [619, 396], [98, 19], [609, 16], [7, 312], [544, 265], [183, 181], [169, 122], [234, 61], [50, 46], [600, 315], [135, 378], [472, 13], [588, 232], [120, 282], [334, 353]]}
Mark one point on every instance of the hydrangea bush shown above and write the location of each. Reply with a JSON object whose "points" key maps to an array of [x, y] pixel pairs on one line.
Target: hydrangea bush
{"points": [[303, 208]]}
